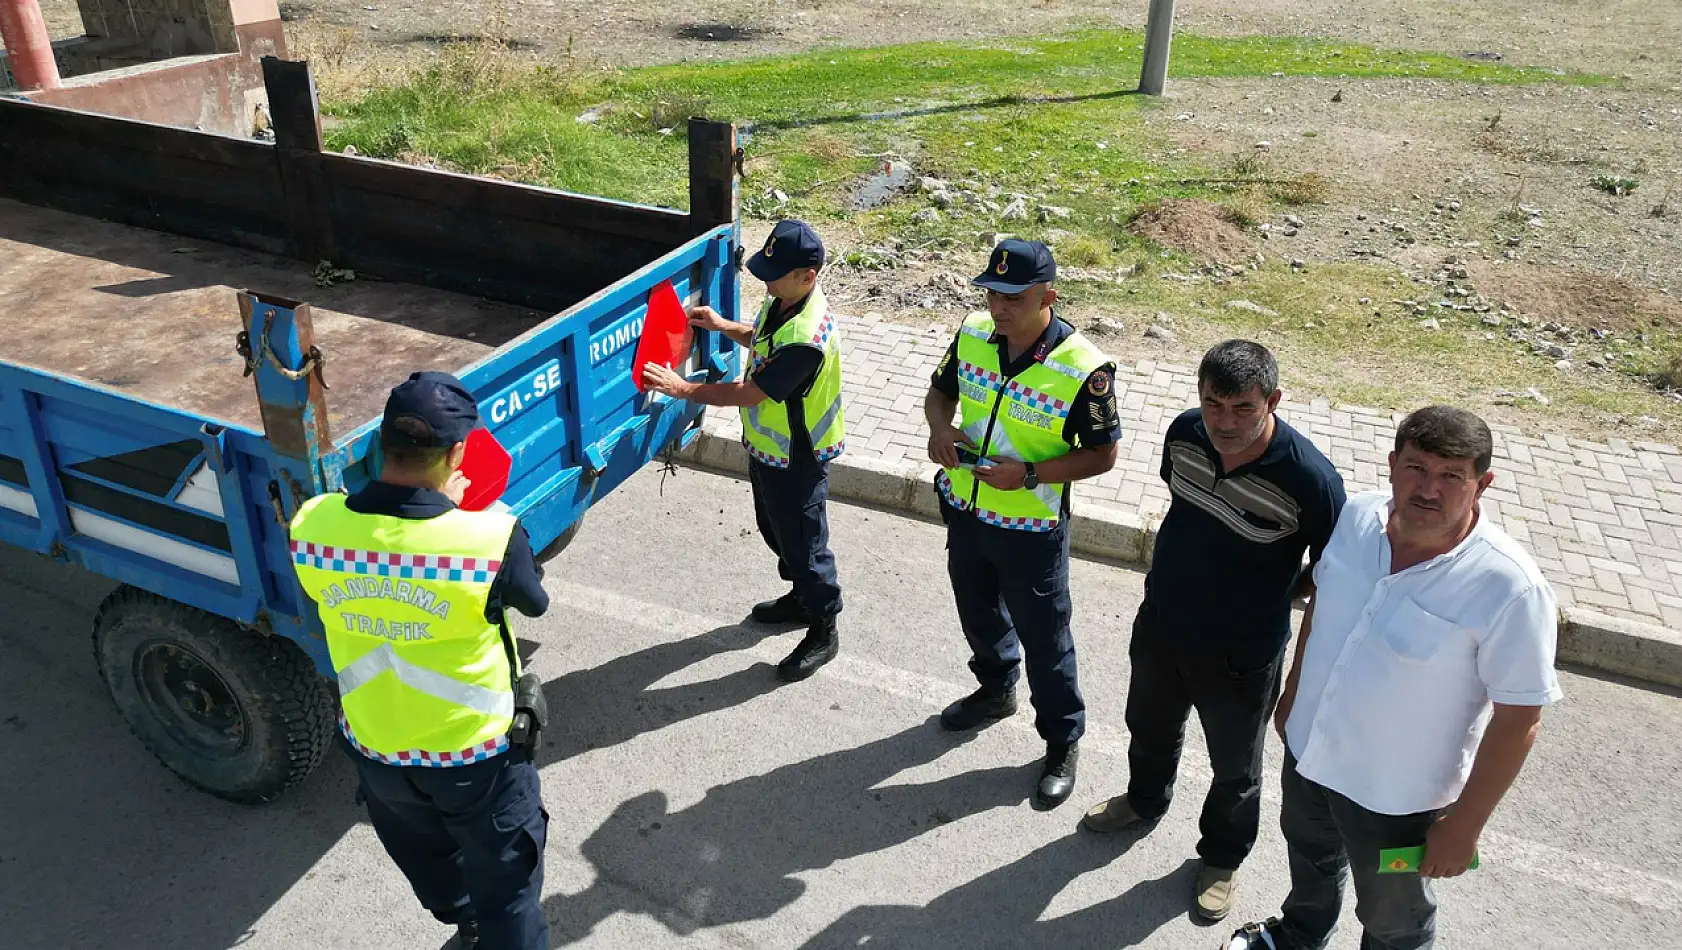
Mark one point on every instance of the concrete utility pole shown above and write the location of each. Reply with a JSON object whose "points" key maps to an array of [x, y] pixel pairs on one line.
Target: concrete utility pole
{"points": [[29, 49], [1159, 29]]}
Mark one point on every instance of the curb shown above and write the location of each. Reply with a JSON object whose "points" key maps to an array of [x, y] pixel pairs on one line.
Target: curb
{"points": [[1640, 651]]}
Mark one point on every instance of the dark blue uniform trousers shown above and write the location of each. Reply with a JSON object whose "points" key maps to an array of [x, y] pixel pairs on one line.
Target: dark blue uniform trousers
{"points": [[791, 506], [1012, 592], [470, 840]]}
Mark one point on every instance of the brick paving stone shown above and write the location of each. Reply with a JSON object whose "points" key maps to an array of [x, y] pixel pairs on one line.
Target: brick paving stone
{"points": [[1642, 601]]}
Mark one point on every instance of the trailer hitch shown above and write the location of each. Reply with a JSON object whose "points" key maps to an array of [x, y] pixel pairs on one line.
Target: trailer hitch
{"points": [[256, 356]]}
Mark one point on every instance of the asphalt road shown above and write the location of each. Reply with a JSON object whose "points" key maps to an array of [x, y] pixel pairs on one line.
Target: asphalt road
{"points": [[696, 802]]}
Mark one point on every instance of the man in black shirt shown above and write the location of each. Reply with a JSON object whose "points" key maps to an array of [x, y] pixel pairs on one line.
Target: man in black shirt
{"points": [[1250, 495]]}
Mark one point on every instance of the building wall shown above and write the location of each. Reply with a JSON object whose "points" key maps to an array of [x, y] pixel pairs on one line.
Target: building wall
{"points": [[163, 28], [213, 93]]}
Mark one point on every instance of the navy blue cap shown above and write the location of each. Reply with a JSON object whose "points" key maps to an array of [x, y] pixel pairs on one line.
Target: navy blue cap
{"points": [[791, 246], [438, 400], [1017, 265]]}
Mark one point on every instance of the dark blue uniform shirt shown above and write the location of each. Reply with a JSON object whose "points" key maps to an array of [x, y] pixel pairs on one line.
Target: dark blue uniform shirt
{"points": [[789, 375], [1229, 554], [519, 584], [1093, 419]]}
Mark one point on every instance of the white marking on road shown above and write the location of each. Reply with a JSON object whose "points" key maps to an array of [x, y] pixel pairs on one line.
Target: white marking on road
{"points": [[1584, 872], [1521, 854], [849, 668]]}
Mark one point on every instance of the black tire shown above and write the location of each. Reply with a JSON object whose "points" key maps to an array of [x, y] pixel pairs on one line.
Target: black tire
{"points": [[240, 715], [560, 544]]}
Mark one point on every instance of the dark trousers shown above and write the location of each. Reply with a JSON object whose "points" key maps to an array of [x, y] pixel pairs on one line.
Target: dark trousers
{"points": [[791, 506], [1012, 592], [470, 840], [1234, 696], [1326, 835]]}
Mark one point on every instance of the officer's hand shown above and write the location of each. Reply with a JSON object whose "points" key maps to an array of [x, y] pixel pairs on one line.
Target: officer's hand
{"points": [[1003, 474], [662, 379], [943, 445], [456, 488], [706, 318]]}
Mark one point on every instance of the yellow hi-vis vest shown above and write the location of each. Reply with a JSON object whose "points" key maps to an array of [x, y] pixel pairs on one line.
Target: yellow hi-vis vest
{"points": [[424, 678], [1018, 418], [765, 428]]}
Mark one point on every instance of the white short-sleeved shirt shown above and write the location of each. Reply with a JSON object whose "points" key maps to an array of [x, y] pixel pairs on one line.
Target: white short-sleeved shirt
{"points": [[1400, 669]]}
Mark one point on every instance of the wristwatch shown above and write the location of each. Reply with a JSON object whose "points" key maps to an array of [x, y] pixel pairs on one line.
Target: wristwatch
{"points": [[1032, 479]]}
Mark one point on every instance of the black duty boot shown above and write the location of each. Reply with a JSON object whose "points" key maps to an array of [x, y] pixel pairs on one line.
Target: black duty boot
{"points": [[786, 609], [978, 709], [467, 935], [820, 645], [1058, 779]]}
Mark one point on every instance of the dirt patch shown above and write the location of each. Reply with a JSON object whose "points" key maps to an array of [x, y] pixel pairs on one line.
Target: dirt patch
{"points": [[1202, 229], [939, 292], [719, 33], [1575, 298]]}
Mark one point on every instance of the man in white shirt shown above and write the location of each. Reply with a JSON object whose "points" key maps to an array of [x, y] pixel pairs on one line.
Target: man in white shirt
{"points": [[1421, 672]]}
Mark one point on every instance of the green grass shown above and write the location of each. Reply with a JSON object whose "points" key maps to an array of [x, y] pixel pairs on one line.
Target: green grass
{"points": [[1049, 117], [923, 75], [1377, 354], [521, 122]]}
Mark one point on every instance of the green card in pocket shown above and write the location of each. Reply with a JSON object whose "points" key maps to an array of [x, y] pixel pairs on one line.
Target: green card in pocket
{"points": [[1407, 860]]}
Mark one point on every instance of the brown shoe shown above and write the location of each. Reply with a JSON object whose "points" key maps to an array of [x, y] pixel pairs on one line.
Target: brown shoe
{"points": [[1112, 817], [1215, 890]]}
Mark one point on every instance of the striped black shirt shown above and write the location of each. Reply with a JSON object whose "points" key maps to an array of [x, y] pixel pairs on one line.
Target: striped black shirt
{"points": [[1229, 552]]}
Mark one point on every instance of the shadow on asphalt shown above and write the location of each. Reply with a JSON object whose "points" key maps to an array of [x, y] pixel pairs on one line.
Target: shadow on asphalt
{"points": [[614, 702], [1002, 908], [111, 848], [103, 845], [734, 855]]}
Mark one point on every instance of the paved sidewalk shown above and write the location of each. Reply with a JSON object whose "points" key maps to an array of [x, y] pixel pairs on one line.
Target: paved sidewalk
{"points": [[1603, 520]]}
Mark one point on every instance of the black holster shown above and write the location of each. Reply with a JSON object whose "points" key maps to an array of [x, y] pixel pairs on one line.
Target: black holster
{"points": [[531, 713]]}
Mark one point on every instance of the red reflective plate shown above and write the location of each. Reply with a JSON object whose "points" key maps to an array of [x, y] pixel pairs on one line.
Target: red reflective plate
{"points": [[486, 466], [666, 333]]}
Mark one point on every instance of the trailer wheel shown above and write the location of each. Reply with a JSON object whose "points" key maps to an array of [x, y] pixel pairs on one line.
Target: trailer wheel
{"points": [[238, 714], [560, 543]]}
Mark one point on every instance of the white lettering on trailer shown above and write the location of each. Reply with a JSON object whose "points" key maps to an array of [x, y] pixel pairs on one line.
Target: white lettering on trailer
{"points": [[523, 396], [612, 343]]}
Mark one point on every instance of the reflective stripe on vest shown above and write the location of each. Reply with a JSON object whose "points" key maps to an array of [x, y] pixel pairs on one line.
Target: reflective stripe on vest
{"points": [[384, 659], [424, 678], [1021, 418], [766, 431]]}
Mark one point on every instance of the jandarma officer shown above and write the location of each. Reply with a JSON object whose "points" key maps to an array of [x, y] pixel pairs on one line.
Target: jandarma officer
{"points": [[1037, 411], [412, 592], [793, 426]]}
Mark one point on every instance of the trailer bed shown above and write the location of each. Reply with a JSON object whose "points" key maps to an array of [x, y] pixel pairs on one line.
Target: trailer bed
{"points": [[154, 316]]}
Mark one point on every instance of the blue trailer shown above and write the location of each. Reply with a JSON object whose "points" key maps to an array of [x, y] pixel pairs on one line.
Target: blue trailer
{"points": [[168, 400]]}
